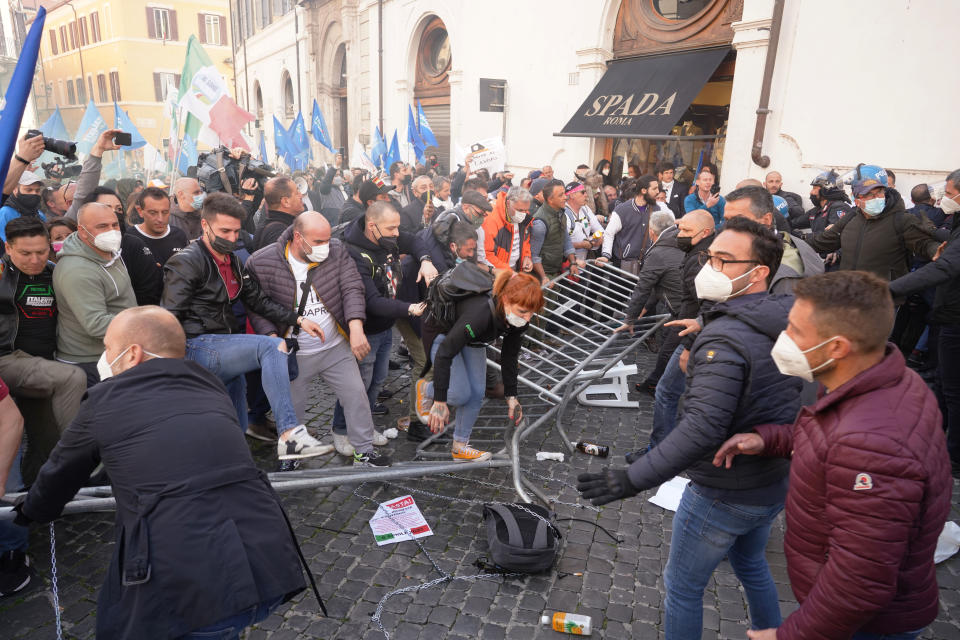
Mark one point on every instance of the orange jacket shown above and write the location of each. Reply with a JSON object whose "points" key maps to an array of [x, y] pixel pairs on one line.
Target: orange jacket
{"points": [[498, 236]]}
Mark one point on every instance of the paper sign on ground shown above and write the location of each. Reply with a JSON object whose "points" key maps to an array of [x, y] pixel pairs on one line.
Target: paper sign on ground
{"points": [[397, 520], [668, 496]]}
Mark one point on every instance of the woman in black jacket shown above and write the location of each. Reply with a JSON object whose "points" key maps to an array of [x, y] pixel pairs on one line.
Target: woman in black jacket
{"points": [[460, 360]]}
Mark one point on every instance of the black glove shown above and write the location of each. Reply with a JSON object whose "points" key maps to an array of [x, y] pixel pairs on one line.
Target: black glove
{"points": [[601, 488]]}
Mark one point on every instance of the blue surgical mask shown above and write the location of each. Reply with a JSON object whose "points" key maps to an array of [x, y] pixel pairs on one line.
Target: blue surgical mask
{"points": [[198, 200], [874, 207]]}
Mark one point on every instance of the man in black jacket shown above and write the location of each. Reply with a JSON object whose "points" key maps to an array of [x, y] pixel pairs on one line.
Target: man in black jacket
{"points": [[376, 242], [28, 339], [774, 184], [201, 283], [675, 190], [201, 541], [944, 274], [733, 384], [830, 204], [418, 214], [370, 191], [284, 204]]}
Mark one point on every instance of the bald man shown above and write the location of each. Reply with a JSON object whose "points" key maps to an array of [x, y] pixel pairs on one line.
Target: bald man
{"points": [[191, 503], [92, 287], [774, 184], [304, 257], [284, 204], [695, 233], [188, 197]]}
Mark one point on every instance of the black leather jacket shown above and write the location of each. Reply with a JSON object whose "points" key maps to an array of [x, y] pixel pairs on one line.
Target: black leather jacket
{"points": [[194, 291], [9, 317]]}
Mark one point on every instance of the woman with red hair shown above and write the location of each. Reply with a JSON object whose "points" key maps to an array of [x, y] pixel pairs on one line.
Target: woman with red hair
{"points": [[460, 359]]}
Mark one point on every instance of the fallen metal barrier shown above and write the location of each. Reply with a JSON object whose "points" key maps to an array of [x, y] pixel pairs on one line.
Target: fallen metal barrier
{"points": [[574, 330]]}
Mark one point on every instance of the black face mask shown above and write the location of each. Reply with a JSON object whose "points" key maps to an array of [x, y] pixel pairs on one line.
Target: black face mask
{"points": [[30, 201], [391, 244], [815, 200], [222, 245], [684, 243], [407, 179]]}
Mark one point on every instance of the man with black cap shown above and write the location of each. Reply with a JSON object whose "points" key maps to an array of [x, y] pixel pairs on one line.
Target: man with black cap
{"points": [[370, 191], [536, 190], [25, 201]]}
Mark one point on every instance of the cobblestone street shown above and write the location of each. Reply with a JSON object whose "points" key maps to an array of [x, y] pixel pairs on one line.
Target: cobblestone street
{"points": [[621, 587]]}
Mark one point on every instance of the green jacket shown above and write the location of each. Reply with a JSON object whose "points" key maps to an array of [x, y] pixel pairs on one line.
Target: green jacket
{"points": [[90, 292], [551, 254]]}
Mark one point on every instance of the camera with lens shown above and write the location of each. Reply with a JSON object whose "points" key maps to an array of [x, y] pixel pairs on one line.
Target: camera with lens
{"points": [[63, 148], [61, 169], [217, 169]]}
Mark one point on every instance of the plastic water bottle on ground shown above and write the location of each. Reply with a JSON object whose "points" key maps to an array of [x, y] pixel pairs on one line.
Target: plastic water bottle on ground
{"points": [[568, 623]]}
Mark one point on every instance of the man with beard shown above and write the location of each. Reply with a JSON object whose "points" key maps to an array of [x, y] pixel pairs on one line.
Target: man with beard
{"points": [[25, 201], [626, 237], [774, 184]]}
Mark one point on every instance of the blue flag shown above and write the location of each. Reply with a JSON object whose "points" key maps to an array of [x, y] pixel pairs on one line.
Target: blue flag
{"points": [[379, 149], [53, 128], [426, 133], [18, 91], [280, 142], [122, 121], [413, 136], [90, 128], [394, 154], [188, 154], [318, 126], [263, 148], [301, 143]]}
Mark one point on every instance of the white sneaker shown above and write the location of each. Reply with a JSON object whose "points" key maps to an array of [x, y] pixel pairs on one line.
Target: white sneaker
{"points": [[342, 444], [300, 444], [379, 439]]}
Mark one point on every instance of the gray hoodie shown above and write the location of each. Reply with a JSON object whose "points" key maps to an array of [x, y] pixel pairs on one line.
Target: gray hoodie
{"points": [[90, 292]]}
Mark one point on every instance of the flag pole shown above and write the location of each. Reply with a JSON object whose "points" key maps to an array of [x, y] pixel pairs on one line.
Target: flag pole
{"points": [[176, 161]]}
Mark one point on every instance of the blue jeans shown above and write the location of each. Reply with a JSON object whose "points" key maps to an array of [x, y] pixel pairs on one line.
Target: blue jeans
{"points": [[373, 371], [666, 399], [230, 628], [14, 537], [229, 357], [906, 635], [468, 384], [704, 531]]}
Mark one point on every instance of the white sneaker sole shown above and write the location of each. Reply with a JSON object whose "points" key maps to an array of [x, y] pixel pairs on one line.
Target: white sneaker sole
{"points": [[325, 449]]}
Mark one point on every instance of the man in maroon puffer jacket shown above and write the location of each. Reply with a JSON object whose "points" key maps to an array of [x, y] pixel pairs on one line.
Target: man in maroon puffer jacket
{"points": [[870, 479]]}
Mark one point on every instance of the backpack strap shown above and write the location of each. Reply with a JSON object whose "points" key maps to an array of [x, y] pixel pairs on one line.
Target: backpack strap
{"points": [[510, 521]]}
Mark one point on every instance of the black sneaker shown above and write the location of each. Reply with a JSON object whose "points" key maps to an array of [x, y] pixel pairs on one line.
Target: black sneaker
{"points": [[15, 573], [380, 410], [385, 394], [371, 459], [261, 431], [646, 387], [636, 455], [393, 365], [419, 432]]}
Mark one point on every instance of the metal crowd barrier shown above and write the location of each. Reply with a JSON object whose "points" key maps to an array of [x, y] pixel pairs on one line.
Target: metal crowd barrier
{"points": [[574, 330]]}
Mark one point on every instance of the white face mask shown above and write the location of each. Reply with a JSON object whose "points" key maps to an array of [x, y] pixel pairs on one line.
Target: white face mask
{"points": [[792, 361], [515, 321], [949, 205], [715, 285], [105, 369], [108, 241], [318, 253], [518, 216]]}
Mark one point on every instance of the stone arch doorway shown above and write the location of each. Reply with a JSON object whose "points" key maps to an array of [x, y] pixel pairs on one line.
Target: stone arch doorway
{"points": [[432, 85]]}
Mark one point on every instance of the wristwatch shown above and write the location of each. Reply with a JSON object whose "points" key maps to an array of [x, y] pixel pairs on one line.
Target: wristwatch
{"points": [[19, 159]]}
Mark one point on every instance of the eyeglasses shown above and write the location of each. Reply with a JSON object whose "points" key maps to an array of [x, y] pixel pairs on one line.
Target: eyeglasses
{"points": [[719, 263]]}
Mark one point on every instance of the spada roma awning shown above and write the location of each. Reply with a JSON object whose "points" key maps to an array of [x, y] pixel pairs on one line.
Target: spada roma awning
{"points": [[641, 97]]}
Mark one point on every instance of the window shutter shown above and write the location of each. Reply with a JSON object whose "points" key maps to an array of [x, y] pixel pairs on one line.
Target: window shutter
{"points": [[151, 24], [90, 86], [202, 26], [223, 30], [173, 25], [176, 80], [95, 26], [53, 42], [157, 88]]}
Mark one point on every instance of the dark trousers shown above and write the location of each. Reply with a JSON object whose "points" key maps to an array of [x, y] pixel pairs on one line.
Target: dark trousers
{"points": [[949, 352], [671, 340]]}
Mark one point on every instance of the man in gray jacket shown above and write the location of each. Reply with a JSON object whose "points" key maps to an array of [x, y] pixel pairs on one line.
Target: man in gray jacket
{"points": [[306, 261], [92, 287]]}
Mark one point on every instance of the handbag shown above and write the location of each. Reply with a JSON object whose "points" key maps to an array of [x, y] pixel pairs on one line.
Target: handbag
{"points": [[293, 345]]}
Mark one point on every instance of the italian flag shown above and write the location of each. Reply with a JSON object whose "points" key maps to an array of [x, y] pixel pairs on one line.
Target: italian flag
{"points": [[213, 116]]}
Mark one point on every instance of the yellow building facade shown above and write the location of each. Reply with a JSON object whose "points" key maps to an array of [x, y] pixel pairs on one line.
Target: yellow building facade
{"points": [[128, 51]]}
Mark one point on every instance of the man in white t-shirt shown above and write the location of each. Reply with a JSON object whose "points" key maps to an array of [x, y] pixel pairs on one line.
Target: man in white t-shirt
{"points": [[306, 260], [581, 223]]}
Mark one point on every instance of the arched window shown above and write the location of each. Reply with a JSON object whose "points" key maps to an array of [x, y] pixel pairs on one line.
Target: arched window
{"points": [[258, 100]]}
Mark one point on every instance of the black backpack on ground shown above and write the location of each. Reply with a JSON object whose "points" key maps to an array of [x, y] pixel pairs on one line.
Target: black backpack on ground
{"points": [[519, 541], [463, 281]]}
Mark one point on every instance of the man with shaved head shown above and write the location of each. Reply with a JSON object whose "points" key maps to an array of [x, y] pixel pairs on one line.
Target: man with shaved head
{"points": [[92, 287], [695, 233], [284, 204], [307, 270], [191, 503], [774, 184], [188, 198]]}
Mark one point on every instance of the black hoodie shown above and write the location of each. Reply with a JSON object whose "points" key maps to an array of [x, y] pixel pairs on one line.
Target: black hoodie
{"points": [[380, 271]]}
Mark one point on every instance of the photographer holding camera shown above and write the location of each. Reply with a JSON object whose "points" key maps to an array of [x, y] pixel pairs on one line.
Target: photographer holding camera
{"points": [[22, 188]]}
